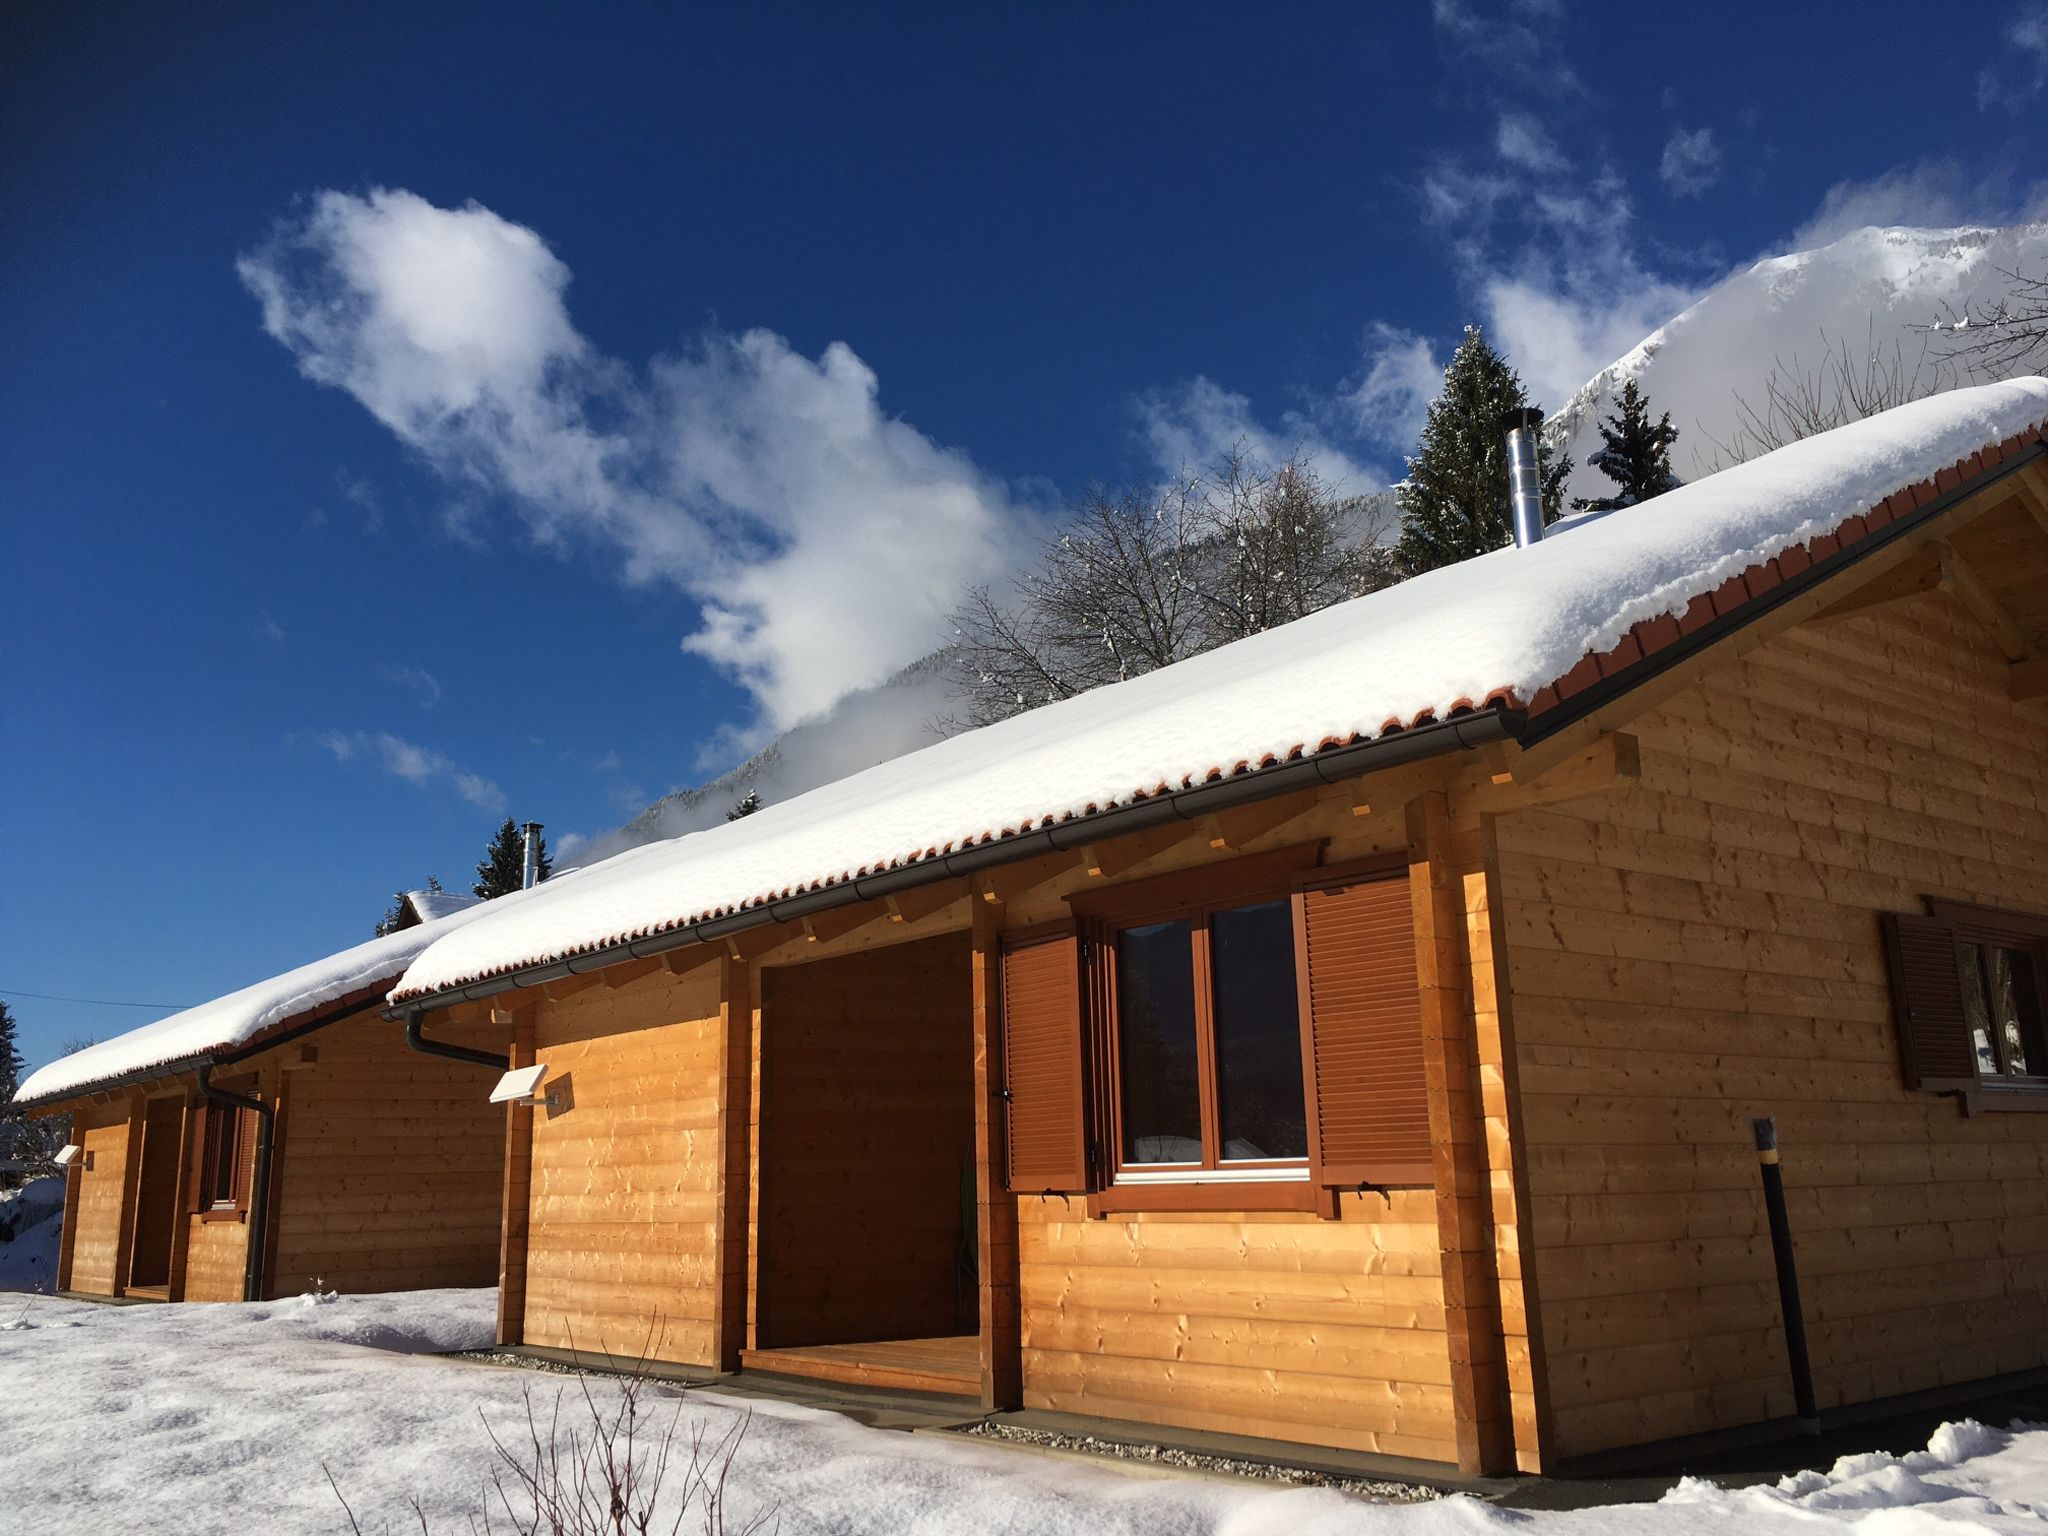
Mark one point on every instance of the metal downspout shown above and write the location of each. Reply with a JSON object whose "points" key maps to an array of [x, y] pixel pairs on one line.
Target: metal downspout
{"points": [[427, 1047], [259, 1177]]}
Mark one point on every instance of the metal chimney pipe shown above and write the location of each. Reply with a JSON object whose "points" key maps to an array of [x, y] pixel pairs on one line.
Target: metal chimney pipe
{"points": [[532, 875], [1525, 477]]}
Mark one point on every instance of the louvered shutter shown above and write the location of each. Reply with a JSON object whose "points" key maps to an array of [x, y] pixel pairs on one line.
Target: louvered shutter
{"points": [[1367, 1090], [1927, 999], [245, 1155], [195, 1161], [1043, 1070]]}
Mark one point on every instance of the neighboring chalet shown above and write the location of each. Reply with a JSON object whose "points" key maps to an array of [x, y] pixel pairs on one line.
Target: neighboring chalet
{"points": [[1351, 1037], [416, 907], [382, 1167]]}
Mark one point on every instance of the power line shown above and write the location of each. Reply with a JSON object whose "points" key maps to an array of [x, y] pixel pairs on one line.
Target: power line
{"points": [[96, 1002]]}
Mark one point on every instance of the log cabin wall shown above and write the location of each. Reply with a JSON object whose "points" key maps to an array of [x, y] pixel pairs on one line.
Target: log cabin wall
{"points": [[101, 1130], [1705, 948], [866, 1141], [387, 1164], [623, 1205], [1275, 1324]]}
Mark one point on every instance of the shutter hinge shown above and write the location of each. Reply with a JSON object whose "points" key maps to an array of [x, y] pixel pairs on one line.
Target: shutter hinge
{"points": [[1006, 1096]]}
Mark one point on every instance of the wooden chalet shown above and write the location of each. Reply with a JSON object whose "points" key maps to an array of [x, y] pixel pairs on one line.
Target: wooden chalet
{"points": [[278, 1140], [1394, 1094]]}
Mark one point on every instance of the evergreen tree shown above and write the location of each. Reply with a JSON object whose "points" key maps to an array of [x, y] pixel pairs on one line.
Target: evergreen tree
{"points": [[1636, 455], [11, 1064], [1454, 503], [746, 807], [22, 1153], [504, 863]]}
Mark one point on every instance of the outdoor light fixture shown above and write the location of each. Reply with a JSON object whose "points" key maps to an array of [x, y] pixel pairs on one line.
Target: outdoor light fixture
{"points": [[522, 1086], [69, 1154]]}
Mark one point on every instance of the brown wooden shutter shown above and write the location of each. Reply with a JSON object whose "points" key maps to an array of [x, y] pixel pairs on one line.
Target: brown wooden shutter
{"points": [[195, 1172], [1043, 1071], [245, 1155], [1927, 999], [1368, 1098]]}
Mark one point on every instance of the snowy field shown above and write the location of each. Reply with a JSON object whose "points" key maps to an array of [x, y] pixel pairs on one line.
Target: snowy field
{"points": [[221, 1418]]}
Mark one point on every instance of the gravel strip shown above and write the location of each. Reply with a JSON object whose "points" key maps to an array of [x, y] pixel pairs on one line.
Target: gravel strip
{"points": [[1364, 1487]]}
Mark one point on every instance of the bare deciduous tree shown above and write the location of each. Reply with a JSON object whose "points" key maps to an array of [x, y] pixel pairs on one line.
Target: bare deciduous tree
{"points": [[1846, 383], [2000, 340], [1142, 578]]}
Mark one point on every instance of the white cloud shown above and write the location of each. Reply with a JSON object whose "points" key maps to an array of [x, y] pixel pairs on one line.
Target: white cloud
{"points": [[1520, 140], [418, 681], [414, 763], [1402, 376], [2022, 71], [270, 630], [1921, 194], [825, 541], [1691, 163], [1194, 423]]}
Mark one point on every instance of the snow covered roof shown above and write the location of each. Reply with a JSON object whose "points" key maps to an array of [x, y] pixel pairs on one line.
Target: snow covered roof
{"points": [[1527, 627], [428, 905], [231, 1022]]}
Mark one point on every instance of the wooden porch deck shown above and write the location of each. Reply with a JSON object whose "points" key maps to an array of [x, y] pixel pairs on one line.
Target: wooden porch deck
{"points": [[950, 1365]]}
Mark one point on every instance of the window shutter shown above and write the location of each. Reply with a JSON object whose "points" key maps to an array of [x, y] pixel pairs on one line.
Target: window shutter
{"points": [[1368, 1097], [1927, 999], [195, 1162], [245, 1155], [1043, 1072]]}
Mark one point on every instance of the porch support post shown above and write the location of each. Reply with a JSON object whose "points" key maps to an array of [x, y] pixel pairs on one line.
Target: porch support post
{"points": [[181, 1212], [995, 1245], [1457, 1127], [131, 1193], [731, 1245], [515, 1215], [74, 1177]]}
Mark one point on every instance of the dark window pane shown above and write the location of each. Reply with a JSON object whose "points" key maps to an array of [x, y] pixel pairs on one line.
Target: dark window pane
{"points": [[1155, 1014], [2017, 1009], [1977, 1010], [1258, 1032]]}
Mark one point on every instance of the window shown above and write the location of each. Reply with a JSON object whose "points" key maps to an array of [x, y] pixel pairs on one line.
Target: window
{"points": [[1243, 1036], [1208, 1029], [220, 1148], [1967, 991]]}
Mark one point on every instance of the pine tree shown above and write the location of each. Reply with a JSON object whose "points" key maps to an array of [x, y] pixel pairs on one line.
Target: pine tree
{"points": [[504, 863], [1636, 455], [11, 1064], [746, 807], [1454, 503], [21, 1149]]}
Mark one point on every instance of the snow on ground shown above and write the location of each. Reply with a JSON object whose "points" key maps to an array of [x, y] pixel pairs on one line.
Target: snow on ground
{"points": [[31, 1221], [1515, 619], [203, 1419]]}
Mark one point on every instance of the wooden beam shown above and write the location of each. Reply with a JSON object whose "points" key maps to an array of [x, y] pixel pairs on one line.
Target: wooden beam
{"points": [[1961, 581], [2028, 680], [2031, 486], [691, 957], [1110, 858], [730, 1240], [131, 1183], [516, 1204], [1920, 573], [1392, 788], [995, 1208], [562, 988], [1482, 1411], [1244, 824], [1611, 761], [181, 1209], [921, 902], [629, 971], [1011, 883], [837, 922], [752, 943]]}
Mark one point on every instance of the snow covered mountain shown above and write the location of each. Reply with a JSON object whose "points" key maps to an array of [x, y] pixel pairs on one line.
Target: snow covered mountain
{"points": [[1862, 294]]}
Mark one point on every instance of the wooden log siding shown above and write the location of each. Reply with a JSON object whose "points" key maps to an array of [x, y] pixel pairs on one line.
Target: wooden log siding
{"points": [[1707, 948], [623, 1230], [387, 1167], [94, 1241]]}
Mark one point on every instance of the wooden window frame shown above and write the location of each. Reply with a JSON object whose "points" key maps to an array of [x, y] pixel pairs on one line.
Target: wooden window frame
{"points": [[236, 1206], [1996, 928], [1215, 1184]]}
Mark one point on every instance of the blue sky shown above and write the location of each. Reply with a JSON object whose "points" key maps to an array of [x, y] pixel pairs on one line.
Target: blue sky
{"points": [[388, 397]]}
